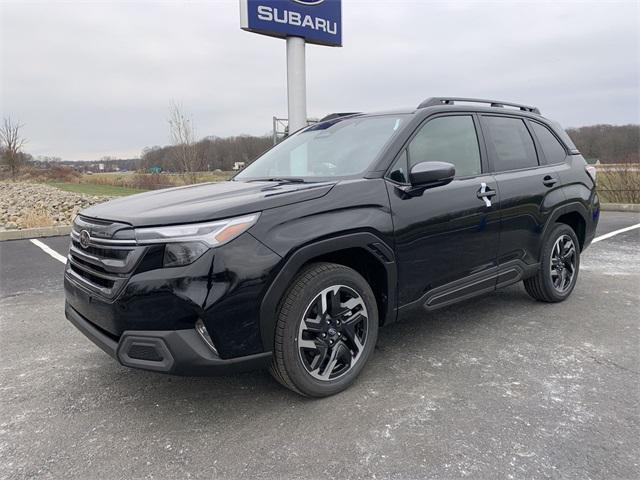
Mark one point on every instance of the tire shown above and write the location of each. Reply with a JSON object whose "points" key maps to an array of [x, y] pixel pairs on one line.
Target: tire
{"points": [[304, 351], [560, 250]]}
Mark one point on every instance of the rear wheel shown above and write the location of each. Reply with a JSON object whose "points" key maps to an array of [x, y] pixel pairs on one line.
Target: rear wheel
{"points": [[560, 262], [326, 330]]}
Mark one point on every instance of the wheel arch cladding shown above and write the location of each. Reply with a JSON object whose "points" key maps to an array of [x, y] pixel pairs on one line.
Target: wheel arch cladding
{"points": [[573, 214], [364, 252], [577, 222]]}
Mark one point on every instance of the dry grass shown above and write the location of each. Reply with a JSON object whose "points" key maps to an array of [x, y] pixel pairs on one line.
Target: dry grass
{"points": [[151, 181], [619, 183], [37, 217]]}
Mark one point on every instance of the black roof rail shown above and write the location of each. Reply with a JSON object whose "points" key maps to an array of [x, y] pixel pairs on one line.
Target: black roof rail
{"points": [[332, 116], [435, 101]]}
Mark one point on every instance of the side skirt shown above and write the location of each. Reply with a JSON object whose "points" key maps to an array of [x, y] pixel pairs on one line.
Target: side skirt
{"points": [[471, 286]]}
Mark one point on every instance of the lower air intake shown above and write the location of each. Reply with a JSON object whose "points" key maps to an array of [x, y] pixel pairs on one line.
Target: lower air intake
{"points": [[145, 352]]}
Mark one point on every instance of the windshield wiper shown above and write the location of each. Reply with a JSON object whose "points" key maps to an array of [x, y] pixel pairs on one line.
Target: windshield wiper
{"points": [[278, 179]]}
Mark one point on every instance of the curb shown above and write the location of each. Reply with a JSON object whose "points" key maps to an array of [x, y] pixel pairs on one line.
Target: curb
{"points": [[35, 233], [620, 207]]}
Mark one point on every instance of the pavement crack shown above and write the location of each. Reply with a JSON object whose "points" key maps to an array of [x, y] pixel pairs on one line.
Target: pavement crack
{"points": [[611, 363]]}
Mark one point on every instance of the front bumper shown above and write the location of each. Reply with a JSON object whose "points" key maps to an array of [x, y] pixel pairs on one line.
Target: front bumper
{"points": [[223, 289], [178, 352]]}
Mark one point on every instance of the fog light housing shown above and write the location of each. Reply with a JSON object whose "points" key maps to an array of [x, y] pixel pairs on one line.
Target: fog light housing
{"points": [[204, 334]]}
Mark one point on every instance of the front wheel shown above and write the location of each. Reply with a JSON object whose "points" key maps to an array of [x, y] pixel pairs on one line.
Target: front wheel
{"points": [[559, 266], [327, 328]]}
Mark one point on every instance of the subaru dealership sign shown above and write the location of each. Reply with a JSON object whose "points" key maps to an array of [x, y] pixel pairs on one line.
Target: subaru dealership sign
{"points": [[317, 21]]}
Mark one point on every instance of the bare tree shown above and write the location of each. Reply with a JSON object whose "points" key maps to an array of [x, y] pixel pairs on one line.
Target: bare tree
{"points": [[12, 142], [183, 135]]}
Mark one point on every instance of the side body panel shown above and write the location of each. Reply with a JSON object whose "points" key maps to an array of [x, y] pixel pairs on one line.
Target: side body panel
{"points": [[445, 235], [355, 214], [526, 204], [581, 195]]}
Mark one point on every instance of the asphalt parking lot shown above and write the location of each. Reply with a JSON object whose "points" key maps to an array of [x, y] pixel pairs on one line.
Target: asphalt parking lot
{"points": [[497, 387]]}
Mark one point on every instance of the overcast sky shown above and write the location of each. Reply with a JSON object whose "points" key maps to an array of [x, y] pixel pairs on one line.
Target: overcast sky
{"points": [[90, 79]]}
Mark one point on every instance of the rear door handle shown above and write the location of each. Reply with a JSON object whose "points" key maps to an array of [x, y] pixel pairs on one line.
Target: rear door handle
{"points": [[549, 181], [486, 193]]}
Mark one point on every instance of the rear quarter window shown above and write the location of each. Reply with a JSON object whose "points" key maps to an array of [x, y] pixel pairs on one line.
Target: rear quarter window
{"points": [[553, 150]]}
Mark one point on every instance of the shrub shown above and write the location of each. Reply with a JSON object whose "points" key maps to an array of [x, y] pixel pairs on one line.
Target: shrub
{"points": [[149, 181], [620, 183]]}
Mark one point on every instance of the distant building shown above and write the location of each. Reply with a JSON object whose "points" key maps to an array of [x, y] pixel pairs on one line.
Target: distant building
{"points": [[238, 165]]}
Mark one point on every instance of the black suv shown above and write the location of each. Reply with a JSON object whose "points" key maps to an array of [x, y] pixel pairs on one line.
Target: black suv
{"points": [[347, 225]]}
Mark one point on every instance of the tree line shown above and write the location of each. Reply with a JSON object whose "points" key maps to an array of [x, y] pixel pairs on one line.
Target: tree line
{"points": [[608, 143], [210, 153]]}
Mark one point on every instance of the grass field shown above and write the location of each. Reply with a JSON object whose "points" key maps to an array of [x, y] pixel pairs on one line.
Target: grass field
{"points": [[121, 184], [95, 189]]}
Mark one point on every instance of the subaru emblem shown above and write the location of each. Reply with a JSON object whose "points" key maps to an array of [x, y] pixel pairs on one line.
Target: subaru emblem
{"points": [[85, 239]]}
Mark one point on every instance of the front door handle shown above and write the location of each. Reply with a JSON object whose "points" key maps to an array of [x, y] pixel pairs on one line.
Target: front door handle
{"points": [[486, 193], [549, 181]]}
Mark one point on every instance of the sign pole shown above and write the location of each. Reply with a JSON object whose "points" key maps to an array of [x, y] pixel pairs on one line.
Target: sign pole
{"points": [[296, 83]]}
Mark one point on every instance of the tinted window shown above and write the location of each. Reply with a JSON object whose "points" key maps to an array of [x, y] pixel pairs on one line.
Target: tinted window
{"points": [[448, 139], [553, 150], [512, 143]]}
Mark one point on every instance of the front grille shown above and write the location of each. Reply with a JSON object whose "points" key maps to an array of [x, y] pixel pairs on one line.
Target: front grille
{"points": [[104, 263], [77, 259], [117, 254], [90, 277]]}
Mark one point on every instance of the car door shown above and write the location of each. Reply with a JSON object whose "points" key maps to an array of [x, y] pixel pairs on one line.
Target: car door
{"points": [[529, 191], [446, 237]]}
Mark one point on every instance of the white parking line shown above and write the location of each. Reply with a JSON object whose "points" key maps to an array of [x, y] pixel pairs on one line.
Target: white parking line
{"points": [[615, 232], [49, 250]]}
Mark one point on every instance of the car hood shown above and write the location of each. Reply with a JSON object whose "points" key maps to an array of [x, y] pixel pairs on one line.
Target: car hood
{"points": [[204, 202]]}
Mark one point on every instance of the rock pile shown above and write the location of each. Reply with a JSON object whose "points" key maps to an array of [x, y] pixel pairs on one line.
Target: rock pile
{"points": [[28, 205]]}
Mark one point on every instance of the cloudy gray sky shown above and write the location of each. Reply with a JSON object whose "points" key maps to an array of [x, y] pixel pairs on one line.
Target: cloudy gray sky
{"points": [[94, 78]]}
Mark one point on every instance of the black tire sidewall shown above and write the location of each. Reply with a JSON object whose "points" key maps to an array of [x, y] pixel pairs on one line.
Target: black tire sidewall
{"points": [[296, 371], [556, 233]]}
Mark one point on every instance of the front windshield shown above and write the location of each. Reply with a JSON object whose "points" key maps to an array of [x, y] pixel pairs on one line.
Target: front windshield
{"points": [[335, 148]]}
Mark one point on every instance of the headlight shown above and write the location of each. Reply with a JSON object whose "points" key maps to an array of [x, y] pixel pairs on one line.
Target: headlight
{"points": [[186, 243], [211, 234]]}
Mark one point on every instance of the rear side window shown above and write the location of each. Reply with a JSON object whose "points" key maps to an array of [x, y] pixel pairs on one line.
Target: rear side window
{"points": [[512, 143], [448, 139], [553, 151]]}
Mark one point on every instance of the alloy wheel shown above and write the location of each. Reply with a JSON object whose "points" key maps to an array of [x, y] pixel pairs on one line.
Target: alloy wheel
{"points": [[332, 332], [563, 263]]}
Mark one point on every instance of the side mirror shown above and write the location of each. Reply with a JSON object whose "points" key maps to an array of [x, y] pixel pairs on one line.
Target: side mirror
{"points": [[431, 174]]}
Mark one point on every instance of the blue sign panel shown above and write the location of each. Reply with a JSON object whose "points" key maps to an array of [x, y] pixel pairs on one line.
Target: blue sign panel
{"points": [[317, 21]]}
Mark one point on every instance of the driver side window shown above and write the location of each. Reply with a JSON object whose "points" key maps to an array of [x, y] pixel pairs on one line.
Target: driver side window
{"points": [[448, 139]]}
